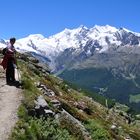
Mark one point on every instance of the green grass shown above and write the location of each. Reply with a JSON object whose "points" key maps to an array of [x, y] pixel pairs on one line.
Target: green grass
{"points": [[134, 98], [29, 127], [97, 131], [39, 129]]}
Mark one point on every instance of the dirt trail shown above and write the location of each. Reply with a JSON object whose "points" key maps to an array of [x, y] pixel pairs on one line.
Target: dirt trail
{"points": [[10, 99]]}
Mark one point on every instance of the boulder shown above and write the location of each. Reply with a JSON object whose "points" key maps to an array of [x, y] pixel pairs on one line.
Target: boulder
{"points": [[49, 112], [40, 102], [56, 104], [33, 59], [42, 108], [73, 125]]}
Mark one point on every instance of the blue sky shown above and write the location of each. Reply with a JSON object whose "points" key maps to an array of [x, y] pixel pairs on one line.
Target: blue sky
{"points": [[21, 18]]}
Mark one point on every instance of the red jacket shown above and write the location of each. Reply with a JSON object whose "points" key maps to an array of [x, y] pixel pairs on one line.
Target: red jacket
{"points": [[8, 56]]}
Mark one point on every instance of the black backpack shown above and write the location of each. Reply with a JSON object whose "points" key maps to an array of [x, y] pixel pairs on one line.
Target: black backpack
{"points": [[4, 51]]}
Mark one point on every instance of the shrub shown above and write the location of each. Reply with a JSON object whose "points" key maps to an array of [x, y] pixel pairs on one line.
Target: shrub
{"points": [[40, 129], [22, 112], [97, 131]]}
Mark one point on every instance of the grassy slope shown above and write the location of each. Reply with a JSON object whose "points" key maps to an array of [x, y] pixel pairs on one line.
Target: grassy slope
{"points": [[98, 123]]}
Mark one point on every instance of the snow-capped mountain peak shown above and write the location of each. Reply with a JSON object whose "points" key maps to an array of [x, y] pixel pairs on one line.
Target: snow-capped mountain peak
{"points": [[99, 38], [82, 27], [122, 29], [36, 36], [104, 29]]}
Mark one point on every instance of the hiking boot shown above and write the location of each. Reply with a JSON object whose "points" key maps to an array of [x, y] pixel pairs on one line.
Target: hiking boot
{"points": [[17, 84], [9, 83]]}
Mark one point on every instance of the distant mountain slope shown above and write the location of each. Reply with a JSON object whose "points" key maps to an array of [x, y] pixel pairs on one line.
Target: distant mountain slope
{"points": [[114, 75]]}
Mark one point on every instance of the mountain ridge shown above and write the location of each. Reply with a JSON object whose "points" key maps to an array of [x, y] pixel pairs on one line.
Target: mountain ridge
{"points": [[111, 50], [73, 38]]}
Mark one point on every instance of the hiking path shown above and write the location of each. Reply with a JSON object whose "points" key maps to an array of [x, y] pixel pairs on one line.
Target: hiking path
{"points": [[10, 99]]}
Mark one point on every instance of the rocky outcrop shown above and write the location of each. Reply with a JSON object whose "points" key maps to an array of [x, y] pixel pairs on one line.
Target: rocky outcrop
{"points": [[73, 125], [42, 107], [33, 63], [52, 107]]}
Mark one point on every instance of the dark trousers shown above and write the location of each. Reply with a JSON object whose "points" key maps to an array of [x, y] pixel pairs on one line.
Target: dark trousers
{"points": [[10, 72]]}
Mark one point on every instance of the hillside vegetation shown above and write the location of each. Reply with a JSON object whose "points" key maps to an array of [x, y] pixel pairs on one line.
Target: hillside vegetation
{"points": [[52, 110]]}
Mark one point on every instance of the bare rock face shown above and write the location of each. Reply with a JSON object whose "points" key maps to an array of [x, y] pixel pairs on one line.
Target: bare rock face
{"points": [[73, 125], [42, 107], [41, 102], [56, 104], [46, 91]]}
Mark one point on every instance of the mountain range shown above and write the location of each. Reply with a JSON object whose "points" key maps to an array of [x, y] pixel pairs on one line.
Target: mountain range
{"points": [[80, 41], [102, 59]]}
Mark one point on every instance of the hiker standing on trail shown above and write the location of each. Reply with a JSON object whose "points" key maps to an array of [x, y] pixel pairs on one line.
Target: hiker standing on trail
{"points": [[9, 62]]}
